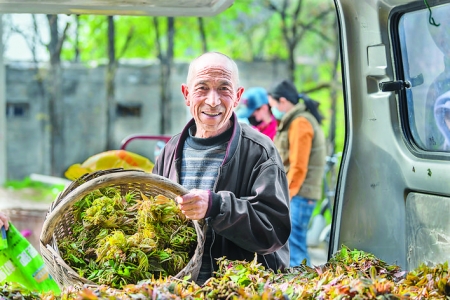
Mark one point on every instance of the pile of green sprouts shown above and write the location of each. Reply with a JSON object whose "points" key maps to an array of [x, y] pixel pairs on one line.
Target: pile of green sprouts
{"points": [[122, 239]]}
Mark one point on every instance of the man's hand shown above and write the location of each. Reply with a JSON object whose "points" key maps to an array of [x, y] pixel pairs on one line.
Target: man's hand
{"points": [[4, 221], [194, 204]]}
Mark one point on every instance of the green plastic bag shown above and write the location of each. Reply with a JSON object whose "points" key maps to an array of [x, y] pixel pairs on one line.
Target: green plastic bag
{"points": [[21, 263], [3, 240]]}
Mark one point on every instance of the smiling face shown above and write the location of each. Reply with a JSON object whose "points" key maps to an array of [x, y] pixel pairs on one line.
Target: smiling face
{"points": [[212, 93]]}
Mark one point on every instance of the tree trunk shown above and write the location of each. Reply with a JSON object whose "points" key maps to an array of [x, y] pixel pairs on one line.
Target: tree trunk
{"points": [[333, 96], [56, 111], [110, 87], [291, 61], [77, 39], [201, 28], [166, 62]]}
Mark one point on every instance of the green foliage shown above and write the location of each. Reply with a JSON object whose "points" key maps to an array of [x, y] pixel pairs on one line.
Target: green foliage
{"points": [[93, 38], [39, 191], [27, 182], [249, 30], [120, 239], [350, 274]]}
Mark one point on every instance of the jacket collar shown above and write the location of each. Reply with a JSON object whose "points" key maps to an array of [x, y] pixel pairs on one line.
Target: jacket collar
{"points": [[232, 145]]}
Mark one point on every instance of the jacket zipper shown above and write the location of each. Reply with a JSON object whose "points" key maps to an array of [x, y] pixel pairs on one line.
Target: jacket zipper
{"points": [[213, 234]]}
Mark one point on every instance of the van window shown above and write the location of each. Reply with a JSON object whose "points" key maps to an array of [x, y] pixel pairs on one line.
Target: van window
{"points": [[425, 52]]}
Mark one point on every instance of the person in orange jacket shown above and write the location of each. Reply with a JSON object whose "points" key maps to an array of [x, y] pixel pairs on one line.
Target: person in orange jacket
{"points": [[302, 146]]}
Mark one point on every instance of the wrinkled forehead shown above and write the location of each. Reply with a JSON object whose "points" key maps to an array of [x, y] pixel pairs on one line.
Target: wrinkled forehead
{"points": [[213, 66]]}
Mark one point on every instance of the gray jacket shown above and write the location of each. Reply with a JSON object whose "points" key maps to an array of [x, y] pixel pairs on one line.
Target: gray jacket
{"points": [[249, 206]]}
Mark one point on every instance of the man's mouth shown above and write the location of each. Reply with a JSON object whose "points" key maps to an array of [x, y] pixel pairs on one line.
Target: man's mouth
{"points": [[212, 114]]}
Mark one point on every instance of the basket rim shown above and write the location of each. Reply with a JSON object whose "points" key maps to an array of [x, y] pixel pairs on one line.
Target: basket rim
{"points": [[62, 204]]}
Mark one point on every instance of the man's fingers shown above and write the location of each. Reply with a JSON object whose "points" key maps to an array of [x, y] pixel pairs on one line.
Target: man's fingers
{"points": [[187, 206], [190, 211], [184, 200], [191, 215], [193, 204]]}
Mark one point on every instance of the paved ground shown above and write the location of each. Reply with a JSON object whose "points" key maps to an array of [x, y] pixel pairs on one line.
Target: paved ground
{"points": [[24, 198]]}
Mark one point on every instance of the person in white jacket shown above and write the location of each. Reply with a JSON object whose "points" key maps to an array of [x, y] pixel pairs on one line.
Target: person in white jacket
{"points": [[442, 117]]}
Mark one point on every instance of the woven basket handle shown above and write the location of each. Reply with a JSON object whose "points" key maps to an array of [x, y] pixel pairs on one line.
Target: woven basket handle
{"points": [[63, 204], [83, 179]]}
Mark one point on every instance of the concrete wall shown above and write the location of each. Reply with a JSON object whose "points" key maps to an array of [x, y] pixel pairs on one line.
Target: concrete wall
{"points": [[84, 106]]}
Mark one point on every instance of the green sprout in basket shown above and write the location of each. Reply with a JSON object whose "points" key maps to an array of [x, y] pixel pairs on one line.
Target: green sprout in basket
{"points": [[123, 239]]}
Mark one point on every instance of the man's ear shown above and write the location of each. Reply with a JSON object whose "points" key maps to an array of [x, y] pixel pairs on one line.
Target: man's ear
{"points": [[239, 93], [185, 92]]}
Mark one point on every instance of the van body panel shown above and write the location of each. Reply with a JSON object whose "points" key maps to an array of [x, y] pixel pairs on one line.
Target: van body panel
{"points": [[117, 7], [386, 177], [428, 229]]}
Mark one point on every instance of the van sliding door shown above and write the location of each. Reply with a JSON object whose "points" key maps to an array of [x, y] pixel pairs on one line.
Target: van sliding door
{"points": [[393, 194]]}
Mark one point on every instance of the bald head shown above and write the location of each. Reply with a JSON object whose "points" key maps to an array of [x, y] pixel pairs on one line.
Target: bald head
{"points": [[212, 92], [210, 59]]}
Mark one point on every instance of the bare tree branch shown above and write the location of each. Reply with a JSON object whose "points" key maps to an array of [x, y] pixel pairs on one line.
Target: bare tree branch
{"points": [[77, 39], [259, 55], [317, 18], [170, 38], [318, 87], [157, 38], [36, 31], [28, 40], [295, 17], [130, 36], [309, 27], [62, 39], [56, 42], [322, 35], [111, 34], [201, 27], [284, 25]]}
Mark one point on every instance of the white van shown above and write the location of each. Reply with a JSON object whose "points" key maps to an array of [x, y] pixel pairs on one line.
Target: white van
{"points": [[393, 191]]}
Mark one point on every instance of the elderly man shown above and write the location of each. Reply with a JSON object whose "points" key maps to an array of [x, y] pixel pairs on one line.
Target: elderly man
{"points": [[234, 174]]}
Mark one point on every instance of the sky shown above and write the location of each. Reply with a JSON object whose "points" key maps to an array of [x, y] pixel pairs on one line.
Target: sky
{"points": [[15, 45]]}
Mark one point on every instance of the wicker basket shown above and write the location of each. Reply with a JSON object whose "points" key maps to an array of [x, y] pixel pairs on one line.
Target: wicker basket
{"points": [[59, 218]]}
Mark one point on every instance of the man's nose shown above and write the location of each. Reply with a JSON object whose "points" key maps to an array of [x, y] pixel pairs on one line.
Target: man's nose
{"points": [[213, 98]]}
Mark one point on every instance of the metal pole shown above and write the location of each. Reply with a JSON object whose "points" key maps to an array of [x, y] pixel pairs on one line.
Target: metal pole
{"points": [[3, 166]]}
